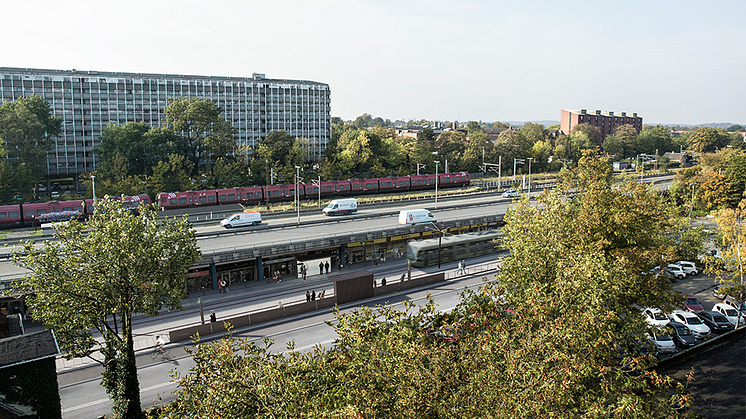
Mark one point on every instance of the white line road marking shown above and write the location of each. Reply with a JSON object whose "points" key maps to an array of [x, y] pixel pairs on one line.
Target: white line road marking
{"points": [[95, 402]]}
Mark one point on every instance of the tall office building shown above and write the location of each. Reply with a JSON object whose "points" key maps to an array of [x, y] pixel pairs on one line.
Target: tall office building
{"points": [[88, 101], [606, 122]]}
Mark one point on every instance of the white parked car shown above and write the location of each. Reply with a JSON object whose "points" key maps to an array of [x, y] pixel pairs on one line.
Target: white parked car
{"points": [[655, 317], [677, 271], [692, 321], [729, 313], [511, 193], [664, 343], [689, 267]]}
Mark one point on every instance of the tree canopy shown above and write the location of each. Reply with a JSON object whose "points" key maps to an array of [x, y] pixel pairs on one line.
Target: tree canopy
{"points": [[555, 336], [118, 262], [205, 133], [27, 128]]}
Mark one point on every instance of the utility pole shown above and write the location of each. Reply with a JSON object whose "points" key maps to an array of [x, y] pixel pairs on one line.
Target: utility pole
{"points": [[529, 175], [436, 184], [297, 197]]}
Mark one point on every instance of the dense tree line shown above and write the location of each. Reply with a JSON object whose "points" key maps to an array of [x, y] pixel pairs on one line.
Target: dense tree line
{"points": [[196, 149]]}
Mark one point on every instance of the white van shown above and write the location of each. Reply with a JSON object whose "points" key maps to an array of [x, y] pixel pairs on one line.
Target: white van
{"points": [[416, 216], [341, 207], [242, 219]]}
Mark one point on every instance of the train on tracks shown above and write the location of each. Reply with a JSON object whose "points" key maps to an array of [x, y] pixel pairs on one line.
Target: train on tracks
{"points": [[39, 212], [309, 190]]}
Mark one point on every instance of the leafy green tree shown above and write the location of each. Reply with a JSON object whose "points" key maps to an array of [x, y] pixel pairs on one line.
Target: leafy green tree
{"points": [[228, 173], [473, 127], [736, 128], [27, 129], [117, 262], [359, 152], [655, 138], [593, 133], [706, 140], [621, 142], [507, 145], [173, 175], [199, 122]]}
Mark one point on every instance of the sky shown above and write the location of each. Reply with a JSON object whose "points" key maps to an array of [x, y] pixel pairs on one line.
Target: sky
{"points": [[672, 62]]}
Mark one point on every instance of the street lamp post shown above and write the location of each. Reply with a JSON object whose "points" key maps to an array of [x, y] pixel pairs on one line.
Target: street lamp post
{"points": [[93, 185], [436, 184], [529, 175]]}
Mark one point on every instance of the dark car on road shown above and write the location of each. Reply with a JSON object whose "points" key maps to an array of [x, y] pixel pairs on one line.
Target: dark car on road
{"points": [[682, 336], [716, 321]]}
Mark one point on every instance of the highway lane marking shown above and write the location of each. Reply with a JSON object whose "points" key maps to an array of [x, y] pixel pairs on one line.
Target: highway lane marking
{"points": [[99, 401]]}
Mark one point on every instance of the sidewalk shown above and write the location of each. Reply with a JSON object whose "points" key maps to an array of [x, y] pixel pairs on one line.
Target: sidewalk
{"points": [[249, 297]]}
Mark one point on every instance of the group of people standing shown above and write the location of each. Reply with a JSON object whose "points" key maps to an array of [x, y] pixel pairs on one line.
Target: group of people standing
{"points": [[311, 295], [323, 265]]}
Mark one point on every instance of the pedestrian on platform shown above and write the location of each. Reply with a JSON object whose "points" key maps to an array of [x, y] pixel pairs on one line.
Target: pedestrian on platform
{"points": [[321, 294], [339, 264], [279, 305], [303, 272], [313, 295], [402, 278], [326, 265], [308, 296], [213, 318], [383, 282], [321, 268], [463, 266], [221, 284]]}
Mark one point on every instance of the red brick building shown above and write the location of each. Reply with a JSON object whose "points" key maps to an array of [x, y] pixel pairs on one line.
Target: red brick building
{"points": [[606, 122]]}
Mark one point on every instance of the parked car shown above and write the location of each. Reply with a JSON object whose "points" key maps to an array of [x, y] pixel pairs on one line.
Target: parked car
{"points": [[692, 321], [663, 341], [738, 305], [717, 292], [689, 267], [730, 313], [511, 193], [681, 334], [715, 321], [691, 303], [676, 270], [655, 317]]}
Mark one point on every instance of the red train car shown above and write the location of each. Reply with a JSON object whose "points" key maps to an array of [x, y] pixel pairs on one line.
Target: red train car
{"points": [[131, 202], [282, 192], [364, 185], [396, 183], [31, 212], [10, 215], [418, 182], [335, 187], [235, 195], [170, 200]]}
